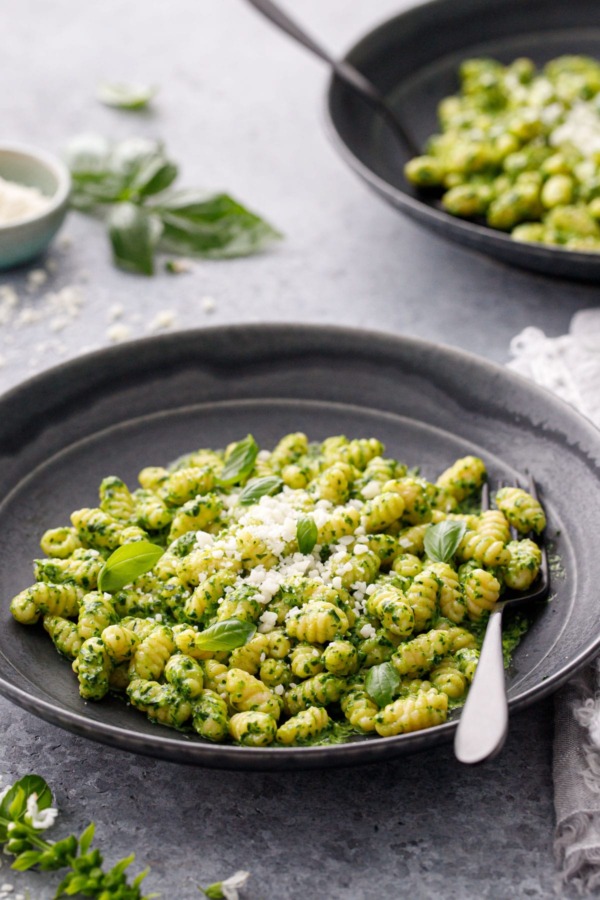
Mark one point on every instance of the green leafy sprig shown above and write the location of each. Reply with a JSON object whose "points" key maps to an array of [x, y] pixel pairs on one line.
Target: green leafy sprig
{"points": [[25, 813], [133, 180]]}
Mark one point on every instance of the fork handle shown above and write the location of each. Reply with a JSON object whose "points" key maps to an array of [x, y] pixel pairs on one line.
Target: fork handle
{"points": [[483, 723], [344, 70]]}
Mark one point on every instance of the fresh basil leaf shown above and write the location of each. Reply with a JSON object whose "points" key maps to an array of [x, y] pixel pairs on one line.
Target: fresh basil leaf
{"points": [[88, 155], [129, 155], [260, 487], [306, 534], [381, 683], [442, 540], [214, 227], [214, 891], [26, 860], [133, 234], [125, 96], [225, 635], [154, 176], [86, 838], [142, 166], [89, 160], [239, 462], [127, 563]]}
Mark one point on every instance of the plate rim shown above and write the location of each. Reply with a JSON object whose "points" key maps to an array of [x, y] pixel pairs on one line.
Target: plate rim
{"points": [[486, 240], [176, 748]]}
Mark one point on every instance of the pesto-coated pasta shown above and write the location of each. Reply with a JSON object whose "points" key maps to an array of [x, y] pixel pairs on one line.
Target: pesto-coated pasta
{"points": [[322, 611]]}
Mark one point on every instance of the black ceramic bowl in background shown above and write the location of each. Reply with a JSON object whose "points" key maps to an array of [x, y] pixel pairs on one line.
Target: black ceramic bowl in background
{"points": [[117, 410], [413, 59]]}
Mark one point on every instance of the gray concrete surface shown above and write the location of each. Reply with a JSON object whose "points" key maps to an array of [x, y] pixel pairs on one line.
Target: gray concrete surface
{"points": [[241, 109]]}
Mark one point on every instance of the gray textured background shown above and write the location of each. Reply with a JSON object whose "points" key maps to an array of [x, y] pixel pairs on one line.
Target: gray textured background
{"points": [[241, 109]]}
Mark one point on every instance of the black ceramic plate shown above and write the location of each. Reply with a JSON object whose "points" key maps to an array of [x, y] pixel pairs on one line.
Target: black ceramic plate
{"points": [[120, 409], [413, 60]]}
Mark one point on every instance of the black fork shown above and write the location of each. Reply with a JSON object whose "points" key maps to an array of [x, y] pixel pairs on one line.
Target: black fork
{"points": [[483, 724]]}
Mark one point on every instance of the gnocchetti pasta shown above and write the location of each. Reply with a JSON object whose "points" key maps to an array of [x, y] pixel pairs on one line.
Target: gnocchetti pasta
{"points": [[347, 593]]}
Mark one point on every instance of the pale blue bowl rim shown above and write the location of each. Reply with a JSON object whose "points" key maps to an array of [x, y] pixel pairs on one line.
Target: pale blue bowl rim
{"points": [[45, 160]]}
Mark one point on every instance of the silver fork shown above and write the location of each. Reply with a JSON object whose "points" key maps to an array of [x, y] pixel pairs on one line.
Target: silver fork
{"points": [[483, 724], [343, 69]]}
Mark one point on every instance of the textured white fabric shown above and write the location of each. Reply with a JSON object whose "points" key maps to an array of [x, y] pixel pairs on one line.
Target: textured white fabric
{"points": [[570, 366]]}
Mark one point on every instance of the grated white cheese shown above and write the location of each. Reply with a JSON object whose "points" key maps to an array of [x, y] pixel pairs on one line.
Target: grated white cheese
{"points": [[268, 621], [36, 278], [164, 319], [581, 128], [371, 490], [8, 301], [204, 539], [118, 332], [115, 312], [367, 631], [19, 201]]}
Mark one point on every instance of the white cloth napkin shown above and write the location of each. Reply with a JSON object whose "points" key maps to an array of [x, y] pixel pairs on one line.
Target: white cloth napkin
{"points": [[570, 366]]}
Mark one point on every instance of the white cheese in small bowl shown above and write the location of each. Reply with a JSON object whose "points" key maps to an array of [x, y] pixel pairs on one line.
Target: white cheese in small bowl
{"points": [[34, 198], [19, 201]]}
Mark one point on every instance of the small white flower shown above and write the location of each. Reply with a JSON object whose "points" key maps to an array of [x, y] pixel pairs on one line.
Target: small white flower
{"points": [[230, 886], [40, 818]]}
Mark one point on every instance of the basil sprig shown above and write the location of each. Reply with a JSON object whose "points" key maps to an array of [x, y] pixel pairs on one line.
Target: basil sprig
{"points": [[239, 462], [260, 487], [14, 802], [25, 813], [127, 563], [381, 683], [225, 635], [306, 534], [125, 96], [186, 222], [442, 540]]}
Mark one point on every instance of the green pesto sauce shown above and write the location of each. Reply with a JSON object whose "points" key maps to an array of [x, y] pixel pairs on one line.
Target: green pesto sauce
{"points": [[514, 627], [337, 733]]}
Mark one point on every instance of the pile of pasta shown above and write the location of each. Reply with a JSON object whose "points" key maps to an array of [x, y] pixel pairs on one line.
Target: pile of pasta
{"points": [[364, 594]]}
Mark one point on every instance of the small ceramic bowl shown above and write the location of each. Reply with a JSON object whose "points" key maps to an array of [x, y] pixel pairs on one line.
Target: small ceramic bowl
{"points": [[25, 238]]}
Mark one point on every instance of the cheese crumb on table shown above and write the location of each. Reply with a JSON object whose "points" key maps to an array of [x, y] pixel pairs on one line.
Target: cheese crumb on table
{"points": [[118, 332]]}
